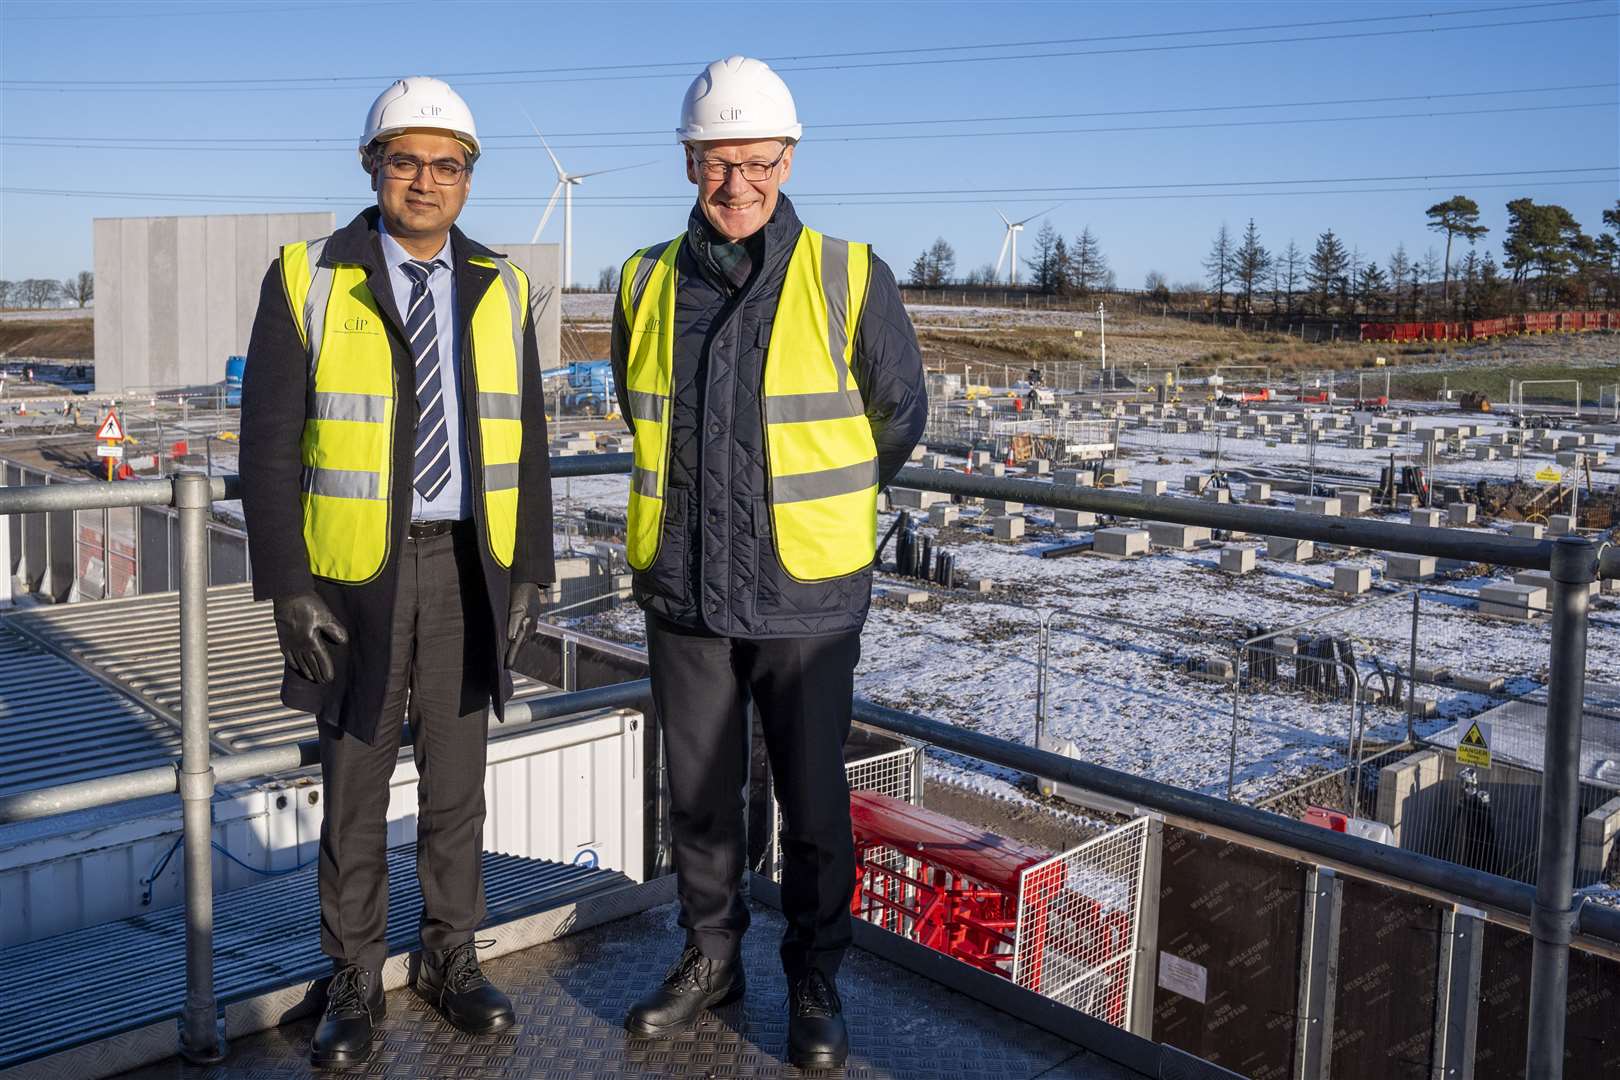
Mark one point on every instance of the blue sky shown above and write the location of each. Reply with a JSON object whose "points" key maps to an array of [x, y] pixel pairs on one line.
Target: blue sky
{"points": [[632, 62]]}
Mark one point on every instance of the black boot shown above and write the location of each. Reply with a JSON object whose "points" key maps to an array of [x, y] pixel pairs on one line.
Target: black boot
{"points": [[817, 1037], [451, 981], [695, 983], [354, 1006]]}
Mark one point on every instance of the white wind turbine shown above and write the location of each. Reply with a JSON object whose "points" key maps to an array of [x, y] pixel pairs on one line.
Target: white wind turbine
{"points": [[1013, 229], [566, 182]]}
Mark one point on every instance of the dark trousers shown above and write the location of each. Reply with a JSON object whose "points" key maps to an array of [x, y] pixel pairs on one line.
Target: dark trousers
{"points": [[441, 674], [702, 685]]}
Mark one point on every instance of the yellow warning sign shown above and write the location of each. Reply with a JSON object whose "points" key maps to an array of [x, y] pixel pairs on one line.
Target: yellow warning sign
{"points": [[1474, 748], [1549, 475]]}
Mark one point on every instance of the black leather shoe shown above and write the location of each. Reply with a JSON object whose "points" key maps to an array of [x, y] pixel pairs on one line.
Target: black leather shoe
{"points": [[354, 1006], [817, 1037], [695, 983], [450, 981]]}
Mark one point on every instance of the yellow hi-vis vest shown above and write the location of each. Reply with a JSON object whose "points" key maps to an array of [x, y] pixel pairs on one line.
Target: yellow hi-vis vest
{"points": [[820, 459], [348, 441]]}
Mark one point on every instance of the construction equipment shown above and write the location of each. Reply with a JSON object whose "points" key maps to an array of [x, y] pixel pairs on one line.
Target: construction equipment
{"points": [[590, 386], [1474, 401]]}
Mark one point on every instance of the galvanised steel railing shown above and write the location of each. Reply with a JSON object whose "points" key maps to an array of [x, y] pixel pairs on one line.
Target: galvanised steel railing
{"points": [[1547, 908]]}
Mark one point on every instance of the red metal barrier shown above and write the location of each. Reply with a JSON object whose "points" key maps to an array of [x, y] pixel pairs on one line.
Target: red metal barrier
{"points": [[1533, 322]]}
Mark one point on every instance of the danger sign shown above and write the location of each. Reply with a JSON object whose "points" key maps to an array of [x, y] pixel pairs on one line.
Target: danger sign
{"points": [[1549, 475], [1474, 748], [110, 428]]}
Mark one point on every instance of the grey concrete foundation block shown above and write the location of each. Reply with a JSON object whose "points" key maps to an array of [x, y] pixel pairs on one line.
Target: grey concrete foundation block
{"points": [[1485, 453], [1009, 528], [994, 468], [1404, 791], [1000, 507], [1120, 543], [1408, 567], [1176, 537], [1460, 514], [1355, 502], [1431, 519], [1598, 831], [1153, 487], [1405, 501], [1218, 494], [1311, 504], [1194, 482], [1257, 491], [1522, 602], [1038, 467], [1560, 524], [1072, 477], [912, 499], [979, 458], [1527, 530], [944, 514], [1478, 684], [1352, 580], [1074, 519], [1287, 549], [1238, 560], [1120, 471], [978, 585], [918, 451]]}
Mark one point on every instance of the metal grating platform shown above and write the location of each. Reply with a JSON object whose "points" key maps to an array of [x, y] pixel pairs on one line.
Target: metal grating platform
{"points": [[101, 981], [571, 995]]}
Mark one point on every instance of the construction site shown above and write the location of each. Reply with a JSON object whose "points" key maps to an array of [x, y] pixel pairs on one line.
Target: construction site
{"points": [[1238, 691]]}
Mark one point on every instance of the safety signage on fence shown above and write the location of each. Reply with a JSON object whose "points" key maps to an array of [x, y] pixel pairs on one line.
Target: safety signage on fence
{"points": [[1474, 748], [112, 450], [111, 429], [1549, 475]]}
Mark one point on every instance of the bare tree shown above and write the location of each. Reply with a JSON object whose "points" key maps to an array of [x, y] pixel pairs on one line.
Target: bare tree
{"points": [[1292, 263], [8, 293], [40, 292], [607, 279], [80, 289], [1400, 268], [1218, 265], [941, 263]]}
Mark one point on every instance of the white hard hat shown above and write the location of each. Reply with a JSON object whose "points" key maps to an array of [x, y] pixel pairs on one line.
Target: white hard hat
{"points": [[738, 98], [420, 102]]}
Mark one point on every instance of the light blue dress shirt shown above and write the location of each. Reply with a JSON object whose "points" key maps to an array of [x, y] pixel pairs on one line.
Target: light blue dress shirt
{"points": [[454, 503]]}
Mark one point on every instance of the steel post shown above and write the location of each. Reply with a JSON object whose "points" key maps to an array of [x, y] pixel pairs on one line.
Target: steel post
{"points": [[1411, 669], [202, 1039], [1552, 918]]}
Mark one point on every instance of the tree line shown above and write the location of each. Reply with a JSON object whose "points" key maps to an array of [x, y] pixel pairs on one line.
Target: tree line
{"points": [[1056, 267], [47, 292], [1547, 261]]}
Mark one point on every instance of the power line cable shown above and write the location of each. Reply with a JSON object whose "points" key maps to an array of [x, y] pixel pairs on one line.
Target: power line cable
{"points": [[346, 143], [306, 83]]}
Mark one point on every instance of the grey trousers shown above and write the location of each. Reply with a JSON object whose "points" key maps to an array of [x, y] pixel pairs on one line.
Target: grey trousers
{"points": [[441, 675]]}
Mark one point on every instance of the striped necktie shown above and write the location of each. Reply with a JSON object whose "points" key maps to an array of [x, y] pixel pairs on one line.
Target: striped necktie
{"points": [[432, 463]]}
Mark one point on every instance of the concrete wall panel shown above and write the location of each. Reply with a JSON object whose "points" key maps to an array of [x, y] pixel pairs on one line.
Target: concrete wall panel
{"points": [[136, 316], [191, 301], [543, 264], [110, 288], [252, 256], [220, 261], [163, 345]]}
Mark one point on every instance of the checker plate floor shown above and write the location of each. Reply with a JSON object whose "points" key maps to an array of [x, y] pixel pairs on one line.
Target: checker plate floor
{"points": [[571, 995]]}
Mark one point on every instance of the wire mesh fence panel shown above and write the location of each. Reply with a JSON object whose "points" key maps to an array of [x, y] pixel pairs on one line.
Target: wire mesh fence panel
{"points": [[896, 773], [1078, 924]]}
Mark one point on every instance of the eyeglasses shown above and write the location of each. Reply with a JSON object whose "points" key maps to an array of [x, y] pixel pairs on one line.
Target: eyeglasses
{"points": [[715, 169], [445, 171]]}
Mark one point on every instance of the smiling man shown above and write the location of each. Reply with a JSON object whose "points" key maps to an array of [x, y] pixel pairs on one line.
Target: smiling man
{"points": [[397, 491], [774, 385]]}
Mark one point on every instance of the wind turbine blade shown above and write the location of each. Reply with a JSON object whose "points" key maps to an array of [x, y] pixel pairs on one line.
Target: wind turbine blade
{"points": [[1003, 218], [599, 172], [550, 205], [1005, 240], [1032, 217], [561, 176]]}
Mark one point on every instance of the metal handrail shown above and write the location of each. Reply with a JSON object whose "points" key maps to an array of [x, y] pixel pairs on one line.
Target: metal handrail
{"points": [[1551, 914]]}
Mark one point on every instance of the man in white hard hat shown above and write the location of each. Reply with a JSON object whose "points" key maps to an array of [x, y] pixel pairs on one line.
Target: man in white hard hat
{"points": [[774, 385], [397, 492]]}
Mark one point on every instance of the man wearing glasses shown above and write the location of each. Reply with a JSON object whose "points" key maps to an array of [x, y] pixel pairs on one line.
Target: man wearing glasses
{"points": [[773, 383], [398, 500]]}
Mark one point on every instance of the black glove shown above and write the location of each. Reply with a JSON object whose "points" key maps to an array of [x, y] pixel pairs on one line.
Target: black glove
{"points": [[523, 613], [304, 625]]}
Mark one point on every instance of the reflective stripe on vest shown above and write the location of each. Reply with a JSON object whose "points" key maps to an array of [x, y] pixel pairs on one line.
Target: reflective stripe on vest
{"points": [[820, 457], [348, 439]]}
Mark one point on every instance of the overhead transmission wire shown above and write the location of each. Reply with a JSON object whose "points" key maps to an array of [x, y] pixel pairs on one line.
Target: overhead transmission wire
{"points": [[943, 196], [346, 145], [855, 58]]}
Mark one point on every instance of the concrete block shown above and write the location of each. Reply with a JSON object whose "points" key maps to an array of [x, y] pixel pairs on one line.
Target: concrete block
{"points": [[994, 468], [1598, 831], [1485, 453], [1218, 495], [1176, 537], [1153, 487], [1257, 491], [1461, 513], [1406, 501], [1009, 528], [1310, 504], [1173, 427], [909, 597], [1074, 519], [1428, 518], [1352, 501], [1542, 579], [1120, 471], [913, 499], [1002, 507], [1238, 560], [1477, 684], [1038, 467], [942, 514], [1352, 580], [1408, 567], [1560, 524], [1120, 543], [1369, 442], [979, 458], [1521, 603], [1568, 457], [1406, 792], [1527, 530], [918, 451], [1195, 482], [932, 461], [1195, 426], [977, 585], [1286, 549], [1431, 435], [1072, 477]]}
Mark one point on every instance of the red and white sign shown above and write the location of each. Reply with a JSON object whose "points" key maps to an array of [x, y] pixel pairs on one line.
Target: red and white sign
{"points": [[111, 429]]}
